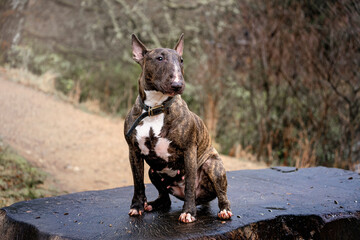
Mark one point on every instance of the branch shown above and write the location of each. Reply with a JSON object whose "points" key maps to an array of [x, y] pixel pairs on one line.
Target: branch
{"points": [[327, 77], [347, 100], [69, 4], [118, 34], [142, 17], [187, 6]]}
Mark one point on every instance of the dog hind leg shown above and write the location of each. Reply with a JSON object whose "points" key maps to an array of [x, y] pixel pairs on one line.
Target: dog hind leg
{"points": [[163, 201]]}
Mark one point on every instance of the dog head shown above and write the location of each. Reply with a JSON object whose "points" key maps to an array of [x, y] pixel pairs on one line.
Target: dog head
{"points": [[162, 68]]}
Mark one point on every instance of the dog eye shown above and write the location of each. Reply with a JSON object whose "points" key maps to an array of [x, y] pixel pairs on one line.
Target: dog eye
{"points": [[159, 58], [181, 60]]}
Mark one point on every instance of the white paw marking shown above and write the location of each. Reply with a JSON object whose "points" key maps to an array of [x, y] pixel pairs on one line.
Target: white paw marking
{"points": [[134, 212], [225, 214], [186, 218]]}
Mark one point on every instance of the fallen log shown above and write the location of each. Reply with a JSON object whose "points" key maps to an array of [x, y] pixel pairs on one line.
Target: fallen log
{"points": [[276, 203]]}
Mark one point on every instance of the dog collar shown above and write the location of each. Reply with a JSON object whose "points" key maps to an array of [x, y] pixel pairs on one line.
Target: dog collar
{"points": [[149, 112]]}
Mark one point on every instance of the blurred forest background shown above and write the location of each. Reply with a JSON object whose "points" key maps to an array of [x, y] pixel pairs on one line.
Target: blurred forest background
{"points": [[277, 79]]}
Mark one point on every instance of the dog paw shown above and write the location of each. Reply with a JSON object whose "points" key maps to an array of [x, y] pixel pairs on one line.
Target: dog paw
{"points": [[135, 212], [186, 218], [147, 207], [225, 214], [161, 203]]}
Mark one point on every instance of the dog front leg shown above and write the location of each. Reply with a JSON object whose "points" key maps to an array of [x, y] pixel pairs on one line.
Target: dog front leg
{"points": [[189, 208], [139, 198]]}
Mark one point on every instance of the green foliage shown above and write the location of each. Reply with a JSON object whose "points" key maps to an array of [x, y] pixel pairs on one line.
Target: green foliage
{"points": [[113, 82], [281, 76], [19, 180]]}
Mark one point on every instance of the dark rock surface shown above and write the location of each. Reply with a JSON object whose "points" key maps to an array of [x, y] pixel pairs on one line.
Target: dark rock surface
{"points": [[277, 203]]}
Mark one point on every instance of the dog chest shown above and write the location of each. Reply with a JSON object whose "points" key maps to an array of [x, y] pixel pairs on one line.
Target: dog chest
{"points": [[148, 137]]}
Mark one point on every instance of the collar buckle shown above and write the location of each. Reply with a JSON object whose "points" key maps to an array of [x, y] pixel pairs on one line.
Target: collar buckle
{"points": [[151, 110]]}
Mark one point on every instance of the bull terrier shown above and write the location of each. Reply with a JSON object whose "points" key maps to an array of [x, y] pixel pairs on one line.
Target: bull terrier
{"points": [[173, 141]]}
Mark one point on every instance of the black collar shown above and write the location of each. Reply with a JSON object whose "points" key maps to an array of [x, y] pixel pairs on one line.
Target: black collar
{"points": [[149, 112], [152, 111]]}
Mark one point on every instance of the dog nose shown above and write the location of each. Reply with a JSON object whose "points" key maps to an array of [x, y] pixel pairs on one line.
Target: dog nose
{"points": [[176, 86]]}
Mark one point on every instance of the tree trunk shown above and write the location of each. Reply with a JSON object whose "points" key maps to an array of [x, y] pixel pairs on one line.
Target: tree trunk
{"points": [[11, 25], [211, 114]]}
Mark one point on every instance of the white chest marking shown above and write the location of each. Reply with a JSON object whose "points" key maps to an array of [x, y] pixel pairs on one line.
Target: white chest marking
{"points": [[161, 148], [153, 98], [143, 131]]}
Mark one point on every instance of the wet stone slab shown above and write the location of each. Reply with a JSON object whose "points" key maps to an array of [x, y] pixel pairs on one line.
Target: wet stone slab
{"points": [[276, 203]]}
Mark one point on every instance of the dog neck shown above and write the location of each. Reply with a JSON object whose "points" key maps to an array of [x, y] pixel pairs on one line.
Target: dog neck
{"points": [[155, 103], [155, 98]]}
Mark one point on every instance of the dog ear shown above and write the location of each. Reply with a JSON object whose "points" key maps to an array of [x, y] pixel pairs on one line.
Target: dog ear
{"points": [[179, 47], [138, 48]]}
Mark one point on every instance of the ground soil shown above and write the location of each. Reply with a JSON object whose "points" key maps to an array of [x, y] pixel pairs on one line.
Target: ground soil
{"points": [[80, 150]]}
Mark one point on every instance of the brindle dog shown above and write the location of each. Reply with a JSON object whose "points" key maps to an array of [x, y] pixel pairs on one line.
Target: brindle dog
{"points": [[161, 130]]}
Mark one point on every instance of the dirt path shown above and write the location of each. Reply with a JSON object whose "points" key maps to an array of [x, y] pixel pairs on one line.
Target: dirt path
{"points": [[81, 151]]}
